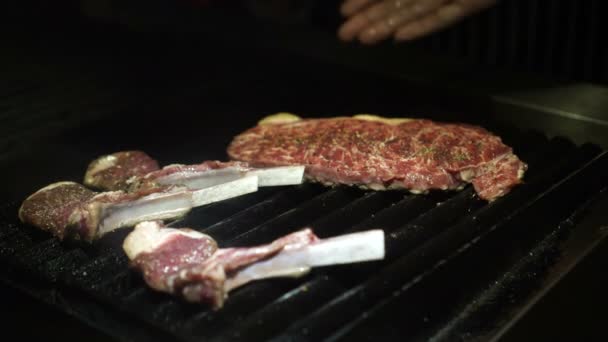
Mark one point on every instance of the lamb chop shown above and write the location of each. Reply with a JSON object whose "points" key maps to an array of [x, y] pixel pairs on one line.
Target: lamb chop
{"points": [[133, 170], [189, 264], [113, 171], [70, 210], [384, 153]]}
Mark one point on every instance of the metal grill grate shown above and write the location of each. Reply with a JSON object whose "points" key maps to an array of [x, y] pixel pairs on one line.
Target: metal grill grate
{"points": [[450, 258]]}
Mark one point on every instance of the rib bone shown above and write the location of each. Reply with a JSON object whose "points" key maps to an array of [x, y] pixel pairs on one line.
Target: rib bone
{"points": [[134, 170], [189, 264], [68, 209], [225, 191], [195, 177], [345, 249]]}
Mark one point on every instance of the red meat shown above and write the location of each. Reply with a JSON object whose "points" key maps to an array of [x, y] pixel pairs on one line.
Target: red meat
{"points": [[379, 153]]}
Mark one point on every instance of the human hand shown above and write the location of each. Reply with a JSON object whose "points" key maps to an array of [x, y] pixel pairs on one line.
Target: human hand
{"points": [[371, 21]]}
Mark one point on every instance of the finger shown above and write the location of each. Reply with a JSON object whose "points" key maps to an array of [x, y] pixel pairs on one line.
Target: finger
{"points": [[397, 4], [359, 22], [382, 29], [350, 7]]}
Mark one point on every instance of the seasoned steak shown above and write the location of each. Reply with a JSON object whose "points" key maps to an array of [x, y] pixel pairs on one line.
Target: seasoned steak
{"points": [[380, 153]]}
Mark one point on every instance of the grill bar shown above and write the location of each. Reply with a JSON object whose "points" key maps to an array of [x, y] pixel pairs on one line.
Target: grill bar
{"points": [[273, 317], [514, 286], [353, 213], [243, 302], [294, 218], [260, 212]]}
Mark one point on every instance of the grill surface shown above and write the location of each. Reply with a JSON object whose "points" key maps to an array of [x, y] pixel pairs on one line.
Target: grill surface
{"points": [[456, 267], [432, 240]]}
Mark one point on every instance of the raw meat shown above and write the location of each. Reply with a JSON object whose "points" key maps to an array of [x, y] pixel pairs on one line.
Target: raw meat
{"points": [[212, 173], [189, 264], [50, 208], [113, 171], [379, 153], [134, 170], [69, 210]]}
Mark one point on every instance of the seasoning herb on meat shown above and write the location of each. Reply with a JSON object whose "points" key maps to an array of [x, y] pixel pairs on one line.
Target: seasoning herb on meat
{"points": [[114, 171], [384, 153], [69, 210]]}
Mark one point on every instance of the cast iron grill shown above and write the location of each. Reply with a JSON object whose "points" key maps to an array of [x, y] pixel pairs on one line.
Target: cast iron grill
{"points": [[455, 266]]}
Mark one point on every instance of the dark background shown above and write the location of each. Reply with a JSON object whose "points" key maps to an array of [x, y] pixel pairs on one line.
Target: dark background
{"points": [[559, 39]]}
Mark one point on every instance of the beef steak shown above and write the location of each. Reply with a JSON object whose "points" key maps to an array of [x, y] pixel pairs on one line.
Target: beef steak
{"points": [[381, 153]]}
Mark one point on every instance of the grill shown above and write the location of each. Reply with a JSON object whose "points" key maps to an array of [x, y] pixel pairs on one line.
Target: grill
{"points": [[511, 244], [456, 267]]}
